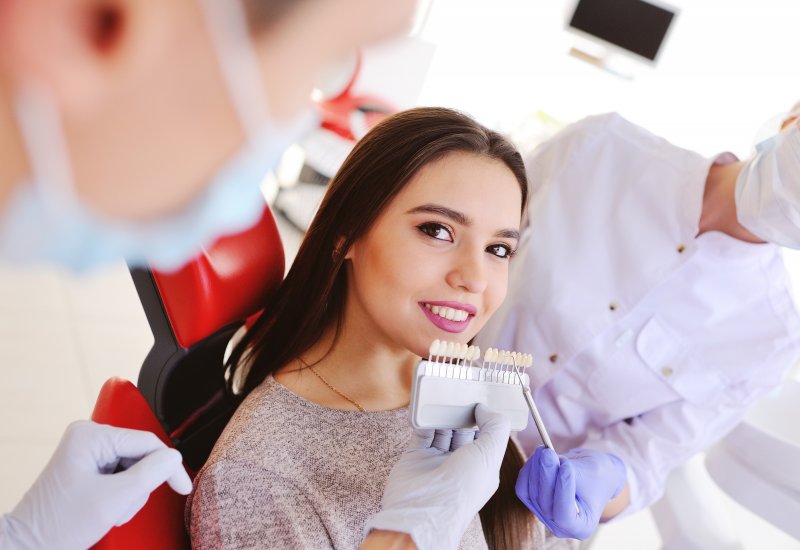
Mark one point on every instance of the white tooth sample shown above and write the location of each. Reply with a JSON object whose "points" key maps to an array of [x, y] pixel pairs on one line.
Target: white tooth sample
{"points": [[435, 310], [434, 349], [450, 348], [476, 353]]}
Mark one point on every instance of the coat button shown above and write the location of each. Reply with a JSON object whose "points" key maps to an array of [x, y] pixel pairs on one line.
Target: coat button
{"points": [[612, 306], [667, 371], [680, 248], [553, 357]]}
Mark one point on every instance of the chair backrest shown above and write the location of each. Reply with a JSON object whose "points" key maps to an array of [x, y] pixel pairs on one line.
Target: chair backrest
{"points": [[180, 397], [193, 313]]}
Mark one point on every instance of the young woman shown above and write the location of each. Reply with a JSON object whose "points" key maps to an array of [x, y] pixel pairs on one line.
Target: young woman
{"points": [[412, 243]]}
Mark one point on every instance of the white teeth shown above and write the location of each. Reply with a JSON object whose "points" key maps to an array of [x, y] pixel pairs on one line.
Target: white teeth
{"points": [[449, 313]]}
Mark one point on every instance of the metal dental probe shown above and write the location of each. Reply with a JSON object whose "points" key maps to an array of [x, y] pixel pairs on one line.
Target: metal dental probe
{"points": [[532, 407]]}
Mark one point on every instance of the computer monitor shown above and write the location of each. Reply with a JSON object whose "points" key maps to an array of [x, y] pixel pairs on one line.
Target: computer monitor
{"points": [[635, 26]]}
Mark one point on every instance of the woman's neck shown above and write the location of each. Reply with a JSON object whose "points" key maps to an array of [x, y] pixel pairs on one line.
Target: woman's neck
{"points": [[14, 167], [372, 375]]}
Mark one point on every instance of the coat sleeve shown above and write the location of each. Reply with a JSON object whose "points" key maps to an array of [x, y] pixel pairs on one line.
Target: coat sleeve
{"points": [[241, 506], [768, 190], [656, 442]]}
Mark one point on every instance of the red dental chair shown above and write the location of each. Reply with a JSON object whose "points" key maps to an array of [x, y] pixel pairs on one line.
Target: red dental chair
{"points": [[180, 392]]}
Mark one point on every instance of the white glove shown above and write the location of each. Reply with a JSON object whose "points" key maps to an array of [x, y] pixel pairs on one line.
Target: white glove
{"points": [[77, 499], [442, 481]]}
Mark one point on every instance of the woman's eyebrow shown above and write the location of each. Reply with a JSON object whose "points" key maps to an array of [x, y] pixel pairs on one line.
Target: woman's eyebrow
{"points": [[508, 234], [454, 215], [459, 217]]}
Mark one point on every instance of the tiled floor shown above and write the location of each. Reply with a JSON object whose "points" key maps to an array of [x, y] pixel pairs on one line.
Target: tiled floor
{"points": [[62, 337]]}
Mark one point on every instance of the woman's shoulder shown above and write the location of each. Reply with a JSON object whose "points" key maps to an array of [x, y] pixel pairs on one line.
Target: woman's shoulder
{"points": [[257, 431]]}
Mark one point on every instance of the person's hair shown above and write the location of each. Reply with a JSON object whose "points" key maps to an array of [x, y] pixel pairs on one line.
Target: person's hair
{"points": [[312, 297]]}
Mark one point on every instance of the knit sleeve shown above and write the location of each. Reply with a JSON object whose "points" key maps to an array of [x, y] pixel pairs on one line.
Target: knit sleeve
{"points": [[242, 506]]}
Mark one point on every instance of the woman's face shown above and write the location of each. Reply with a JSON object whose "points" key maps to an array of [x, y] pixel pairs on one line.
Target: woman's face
{"points": [[435, 263]]}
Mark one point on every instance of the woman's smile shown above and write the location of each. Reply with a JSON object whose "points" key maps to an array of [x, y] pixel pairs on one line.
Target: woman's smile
{"points": [[449, 316]]}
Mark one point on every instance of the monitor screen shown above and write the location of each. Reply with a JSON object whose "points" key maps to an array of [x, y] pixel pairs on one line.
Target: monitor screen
{"points": [[637, 26]]}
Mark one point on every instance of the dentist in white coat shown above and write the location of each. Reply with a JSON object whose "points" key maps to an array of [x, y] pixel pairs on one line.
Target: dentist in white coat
{"points": [[142, 130], [650, 290]]}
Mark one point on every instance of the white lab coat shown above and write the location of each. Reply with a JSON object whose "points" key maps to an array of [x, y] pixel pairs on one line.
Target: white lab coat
{"points": [[648, 342]]}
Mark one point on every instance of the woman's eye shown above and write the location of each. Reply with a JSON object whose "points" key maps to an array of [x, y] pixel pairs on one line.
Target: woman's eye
{"points": [[500, 250], [436, 230]]}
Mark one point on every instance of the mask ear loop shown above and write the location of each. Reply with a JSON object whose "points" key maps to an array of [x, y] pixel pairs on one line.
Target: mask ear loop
{"points": [[226, 22], [43, 136]]}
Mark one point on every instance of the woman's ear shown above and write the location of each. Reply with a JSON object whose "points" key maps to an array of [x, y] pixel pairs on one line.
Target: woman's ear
{"points": [[339, 250]]}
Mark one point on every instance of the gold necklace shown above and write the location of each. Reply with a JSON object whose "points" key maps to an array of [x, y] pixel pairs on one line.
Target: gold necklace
{"points": [[318, 375]]}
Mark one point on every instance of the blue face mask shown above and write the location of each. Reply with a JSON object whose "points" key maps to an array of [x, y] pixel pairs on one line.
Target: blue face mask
{"points": [[45, 221]]}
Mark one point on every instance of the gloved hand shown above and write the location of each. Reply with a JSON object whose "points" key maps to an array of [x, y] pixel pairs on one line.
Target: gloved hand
{"points": [[569, 495], [77, 499], [443, 480]]}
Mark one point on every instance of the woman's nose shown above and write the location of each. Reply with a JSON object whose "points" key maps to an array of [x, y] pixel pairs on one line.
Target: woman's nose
{"points": [[468, 273]]}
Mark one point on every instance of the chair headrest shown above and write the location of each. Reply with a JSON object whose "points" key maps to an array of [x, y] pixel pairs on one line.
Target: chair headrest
{"points": [[225, 283]]}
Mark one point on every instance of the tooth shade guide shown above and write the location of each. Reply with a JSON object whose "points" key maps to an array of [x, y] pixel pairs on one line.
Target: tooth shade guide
{"points": [[457, 375]]}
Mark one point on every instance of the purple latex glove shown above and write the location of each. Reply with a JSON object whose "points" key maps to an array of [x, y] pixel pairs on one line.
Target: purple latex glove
{"points": [[569, 495]]}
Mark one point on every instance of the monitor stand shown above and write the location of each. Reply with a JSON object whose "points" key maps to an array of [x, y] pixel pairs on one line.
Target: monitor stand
{"points": [[605, 60]]}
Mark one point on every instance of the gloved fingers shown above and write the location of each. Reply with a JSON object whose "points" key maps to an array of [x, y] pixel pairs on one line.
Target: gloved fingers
{"points": [[153, 470], [126, 443], [546, 476], [492, 424], [525, 485], [132, 510], [442, 440], [565, 513], [422, 439], [179, 481], [461, 438]]}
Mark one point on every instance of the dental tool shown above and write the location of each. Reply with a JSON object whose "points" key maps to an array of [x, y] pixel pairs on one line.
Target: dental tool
{"points": [[526, 392], [453, 379]]}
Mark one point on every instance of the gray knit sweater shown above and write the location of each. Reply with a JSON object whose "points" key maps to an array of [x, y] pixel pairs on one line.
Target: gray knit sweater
{"points": [[288, 473]]}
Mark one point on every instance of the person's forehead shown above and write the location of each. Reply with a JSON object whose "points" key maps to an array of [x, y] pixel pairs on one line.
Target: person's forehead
{"points": [[458, 176]]}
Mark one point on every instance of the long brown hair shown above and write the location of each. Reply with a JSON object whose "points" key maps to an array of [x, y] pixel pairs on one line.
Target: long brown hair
{"points": [[312, 297]]}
